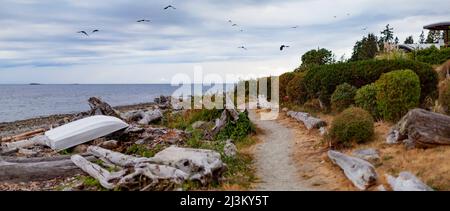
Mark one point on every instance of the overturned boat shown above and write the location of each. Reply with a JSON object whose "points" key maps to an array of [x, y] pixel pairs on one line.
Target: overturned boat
{"points": [[74, 133]]}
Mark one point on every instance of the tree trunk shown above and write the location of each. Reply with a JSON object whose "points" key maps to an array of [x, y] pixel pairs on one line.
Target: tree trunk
{"points": [[423, 129], [36, 169], [309, 121], [360, 172]]}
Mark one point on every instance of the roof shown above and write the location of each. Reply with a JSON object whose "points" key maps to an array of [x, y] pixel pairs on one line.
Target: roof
{"points": [[438, 26]]}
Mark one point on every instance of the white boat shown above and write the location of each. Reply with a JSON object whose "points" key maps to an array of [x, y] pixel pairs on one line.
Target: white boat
{"points": [[82, 131]]}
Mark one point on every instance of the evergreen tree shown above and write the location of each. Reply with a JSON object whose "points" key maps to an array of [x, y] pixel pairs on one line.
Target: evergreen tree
{"points": [[365, 49], [387, 35], [433, 36], [409, 40], [397, 40], [316, 57], [422, 38]]}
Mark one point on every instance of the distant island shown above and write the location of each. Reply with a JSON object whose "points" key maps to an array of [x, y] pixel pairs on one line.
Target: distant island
{"points": [[35, 84]]}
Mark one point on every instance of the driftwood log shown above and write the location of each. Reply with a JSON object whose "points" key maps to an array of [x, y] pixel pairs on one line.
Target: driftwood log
{"points": [[170, 167], [422, 128], [14, 169], [309, 121], [406, 181], [222, 122], [23, 136], [360, 172], [99, 107]]}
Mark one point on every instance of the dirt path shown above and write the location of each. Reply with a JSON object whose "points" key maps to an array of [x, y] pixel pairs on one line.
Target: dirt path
{"points": [[275, 165]]}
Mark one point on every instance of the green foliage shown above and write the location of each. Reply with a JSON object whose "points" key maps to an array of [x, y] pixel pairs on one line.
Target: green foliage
{"points": [[397, 93], [284, 81], [343, 97], [432, 55], [444, 96], [237, 131], [365, 49], [317, 57], [143, 151], [322, 81], [366, 98], [433, 36], [352, 125], [296, 90], [387, 35]]}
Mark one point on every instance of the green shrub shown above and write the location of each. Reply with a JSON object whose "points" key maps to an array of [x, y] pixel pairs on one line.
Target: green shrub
{"points": [[352, 125], [284, 81], [296, 90], [237, 131], [343, 97], [321, 81], [366, 98], [432, 55], [444, 96], [397, 93]]}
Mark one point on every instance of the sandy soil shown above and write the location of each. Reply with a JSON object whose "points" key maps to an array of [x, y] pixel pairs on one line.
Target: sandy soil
{"points": [[275, 165]]}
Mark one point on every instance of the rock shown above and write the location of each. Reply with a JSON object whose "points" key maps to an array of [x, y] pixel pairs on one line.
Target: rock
{"points": [[80, 149], [112, 144], [99, 107], [406, 181], [370, 155], [409, 144], [199, 125], [230, 149], [393, 137], [151, 116], [285, 110], [201, 165]]}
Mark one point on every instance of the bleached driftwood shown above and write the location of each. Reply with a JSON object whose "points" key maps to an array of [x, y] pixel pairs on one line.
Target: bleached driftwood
{"points": [[143, 117], [422, 128], [360, 172], [370, 155], [406, 181], [199, 164], [104, 177], [115, 157], [13, 169], [13, 146], [309, 121], [171, 166], [99, 107]]}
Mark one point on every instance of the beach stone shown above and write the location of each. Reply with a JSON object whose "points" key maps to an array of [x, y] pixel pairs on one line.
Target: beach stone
{"points": [[285, 110], [112, 144], [370, 155], [80, 149], [230, 149]]}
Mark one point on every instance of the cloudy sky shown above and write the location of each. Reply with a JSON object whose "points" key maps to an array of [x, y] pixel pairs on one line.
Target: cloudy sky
{"points": [[39, 43]]}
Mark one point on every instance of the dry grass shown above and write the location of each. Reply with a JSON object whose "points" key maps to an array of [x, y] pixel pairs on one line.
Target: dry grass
{"points": [[430, 165]]}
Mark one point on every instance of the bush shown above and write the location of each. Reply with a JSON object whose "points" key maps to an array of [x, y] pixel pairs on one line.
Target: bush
{"points": [[352, 125], [444, 96], [397, 93], [343, 97], [321, 81], [237, 131], [284, 81], [366, 98], [296, 89], [432, 55]]}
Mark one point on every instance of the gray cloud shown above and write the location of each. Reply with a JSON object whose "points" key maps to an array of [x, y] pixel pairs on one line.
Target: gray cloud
{"points": [[39, 36]]}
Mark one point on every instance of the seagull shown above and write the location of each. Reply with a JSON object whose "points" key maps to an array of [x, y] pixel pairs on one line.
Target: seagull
{"points": [[96, 30], [170, 6], [282, 47], [83, 32], [243, 47], [143, 20]]}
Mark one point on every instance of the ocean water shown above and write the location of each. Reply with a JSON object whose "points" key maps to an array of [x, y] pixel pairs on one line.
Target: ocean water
{"points": [[18, 102]]}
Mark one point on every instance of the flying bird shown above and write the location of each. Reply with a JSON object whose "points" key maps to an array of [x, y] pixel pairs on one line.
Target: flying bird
{"points": [[170, 6], [243, 47], [83, 32], [143, 20], [282, 47], [364, 29], [335, 16], [230, 21], [94, 31], [234, 24], [294, 27]]}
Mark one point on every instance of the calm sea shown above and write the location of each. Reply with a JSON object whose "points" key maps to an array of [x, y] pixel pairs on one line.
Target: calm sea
{"points": [[18, 102]]}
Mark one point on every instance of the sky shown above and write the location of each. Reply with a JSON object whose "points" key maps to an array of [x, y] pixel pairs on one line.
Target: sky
{"points": [[39, 42]]}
